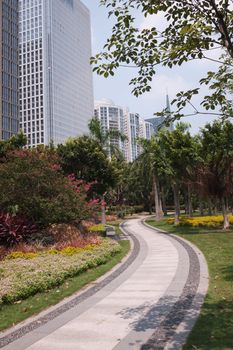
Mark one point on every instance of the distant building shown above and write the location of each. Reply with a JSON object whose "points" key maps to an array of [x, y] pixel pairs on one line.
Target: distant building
{"points": [[56, 92], [159, 122], [130, 124], [147, 130], [9, 119], [111, 118], [134, 135]]}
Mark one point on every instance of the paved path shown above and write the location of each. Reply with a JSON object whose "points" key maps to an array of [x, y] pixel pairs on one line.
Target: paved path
{"points": [[152, 304]]}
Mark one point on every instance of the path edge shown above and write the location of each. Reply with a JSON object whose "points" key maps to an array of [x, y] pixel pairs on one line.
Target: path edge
{"points": [[185, 327]]}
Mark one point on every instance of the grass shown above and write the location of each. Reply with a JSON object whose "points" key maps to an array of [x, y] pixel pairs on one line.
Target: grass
{"points": [[214, 328], [11, 314]]}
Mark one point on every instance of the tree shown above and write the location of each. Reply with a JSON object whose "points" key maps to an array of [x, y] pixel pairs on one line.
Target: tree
{"points": [[105, 138], [180, 150], [154, 165], [215, 171], [33, 185], [85, 158], [15, 142], [193, 30]]}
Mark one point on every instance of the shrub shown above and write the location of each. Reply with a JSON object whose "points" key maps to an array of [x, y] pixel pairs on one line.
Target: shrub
{"points": [[21, 255], [53, 198], [75, 246], [63, 232], [201, 221], [14, 229], [98, 229]]}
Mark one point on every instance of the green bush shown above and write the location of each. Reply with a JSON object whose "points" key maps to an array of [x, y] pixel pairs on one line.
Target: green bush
{"points": [[98, 229], [31, 181]]}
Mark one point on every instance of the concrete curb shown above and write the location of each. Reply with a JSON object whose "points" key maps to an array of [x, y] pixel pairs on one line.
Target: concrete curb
{"points": [[180, 334]]}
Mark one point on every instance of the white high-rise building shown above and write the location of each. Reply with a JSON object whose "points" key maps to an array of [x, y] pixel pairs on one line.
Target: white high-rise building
{"points": [[56, 88], [146, 130], [111, 118], [131, 125]]}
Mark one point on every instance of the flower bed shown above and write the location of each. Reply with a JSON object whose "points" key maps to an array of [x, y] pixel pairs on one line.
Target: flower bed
{"points": [[22, 276], [201, 221]]}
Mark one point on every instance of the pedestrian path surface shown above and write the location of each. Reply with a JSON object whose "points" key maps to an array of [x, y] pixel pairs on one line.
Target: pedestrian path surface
{"points": [[126, 313]]}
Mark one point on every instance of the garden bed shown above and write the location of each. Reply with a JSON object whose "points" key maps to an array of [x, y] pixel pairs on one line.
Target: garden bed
{"points": [[25, 274], [11, 314]]}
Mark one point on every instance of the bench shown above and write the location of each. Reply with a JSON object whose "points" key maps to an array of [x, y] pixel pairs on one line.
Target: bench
{"points": [[110, 231]]}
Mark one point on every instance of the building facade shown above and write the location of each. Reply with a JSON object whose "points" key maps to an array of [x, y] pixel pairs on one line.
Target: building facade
{"points": [[134, 135], [56, 88], [159, 122], [111, 118], [9, 117], [131, 125]]}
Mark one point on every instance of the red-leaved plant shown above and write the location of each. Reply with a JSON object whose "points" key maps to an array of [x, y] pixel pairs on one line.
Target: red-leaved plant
{"points": [[80, 242], [14, 229]]}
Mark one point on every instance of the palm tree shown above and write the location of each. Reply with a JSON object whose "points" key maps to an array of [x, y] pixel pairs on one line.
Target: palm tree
{"points": [[106, 137]]}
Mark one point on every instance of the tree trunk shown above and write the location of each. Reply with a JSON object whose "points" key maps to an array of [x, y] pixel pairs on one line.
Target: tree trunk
{"points": [[201, 208], [226, 224], [190, 206], [210, 207], [163, 200], [103, 212], [176, 203], [158, 211]]}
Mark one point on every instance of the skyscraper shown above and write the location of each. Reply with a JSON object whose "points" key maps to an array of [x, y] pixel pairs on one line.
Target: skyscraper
{"points": [[111, 118], [9, 121], [56, 91]]}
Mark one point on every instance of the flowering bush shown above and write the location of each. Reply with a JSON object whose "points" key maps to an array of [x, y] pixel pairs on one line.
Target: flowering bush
{"points": [[14, 229], [21, 278], [201, 221], [53, 197]]}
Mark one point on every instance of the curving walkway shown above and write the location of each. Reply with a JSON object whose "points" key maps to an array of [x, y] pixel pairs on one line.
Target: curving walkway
{"points": [[150, 302]]}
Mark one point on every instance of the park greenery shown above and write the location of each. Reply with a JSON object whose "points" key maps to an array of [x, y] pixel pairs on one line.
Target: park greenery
{"points": [[53, 197], [213, 329], [67, 183]]}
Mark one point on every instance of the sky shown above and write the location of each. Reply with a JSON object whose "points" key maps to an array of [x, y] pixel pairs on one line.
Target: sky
{"points": [[172, 80]]}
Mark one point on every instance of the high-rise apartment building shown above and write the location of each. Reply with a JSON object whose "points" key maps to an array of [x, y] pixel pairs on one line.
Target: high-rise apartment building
{"points": [[146, 130], [111, 118], [134, 121], [56, 89], [9, 120], [131, 125]]}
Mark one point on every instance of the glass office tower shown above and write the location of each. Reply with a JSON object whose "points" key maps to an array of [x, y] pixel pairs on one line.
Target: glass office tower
{"points": [[9, 121], [56, 89]]}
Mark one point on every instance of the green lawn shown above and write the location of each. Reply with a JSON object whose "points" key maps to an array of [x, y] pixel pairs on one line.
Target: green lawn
{"points": [[10, 314], [214, 328]]}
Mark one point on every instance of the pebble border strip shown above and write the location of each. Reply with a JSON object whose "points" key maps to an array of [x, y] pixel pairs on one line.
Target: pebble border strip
{"points": [[14, 335], [164, 333]]}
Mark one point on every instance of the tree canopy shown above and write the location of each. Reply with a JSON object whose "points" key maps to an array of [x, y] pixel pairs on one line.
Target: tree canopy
{"points": [[85, 158], [193, 30]]}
